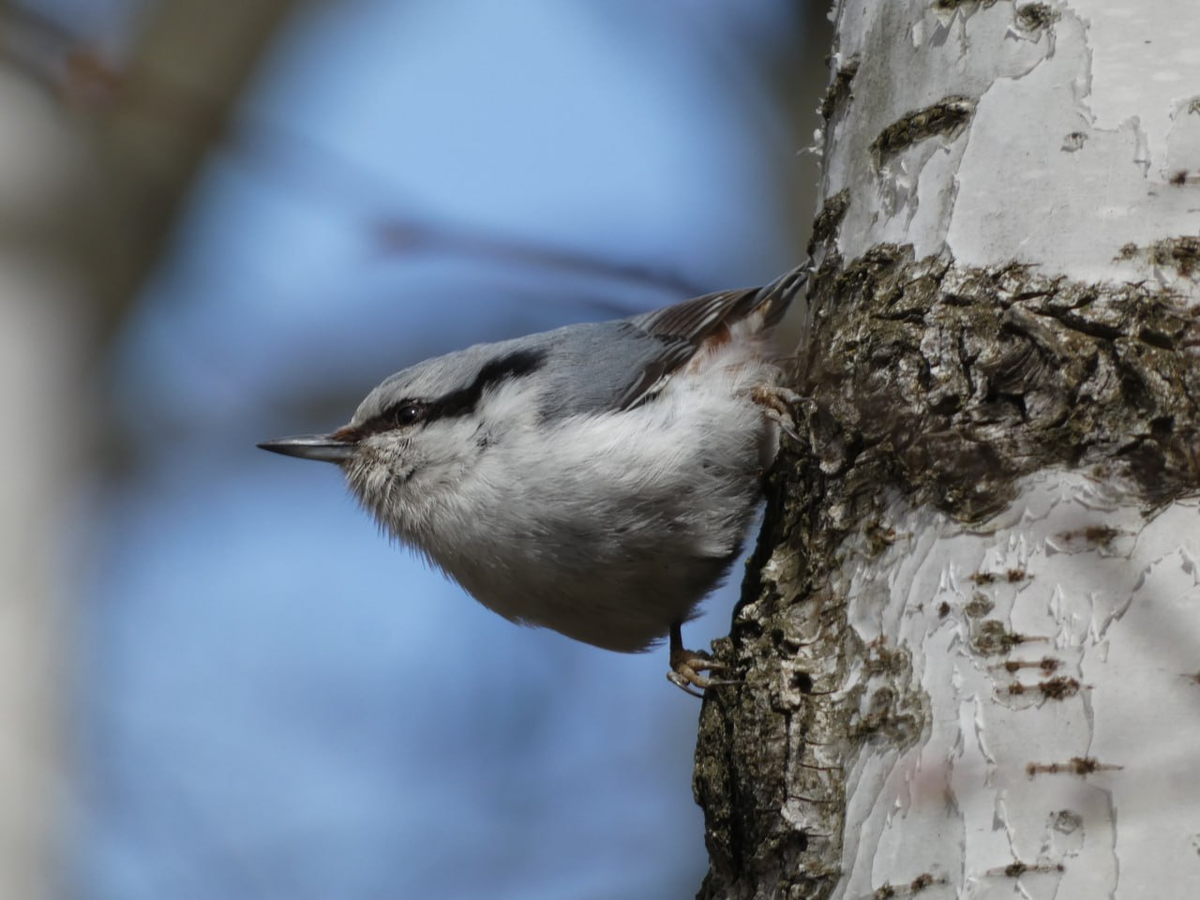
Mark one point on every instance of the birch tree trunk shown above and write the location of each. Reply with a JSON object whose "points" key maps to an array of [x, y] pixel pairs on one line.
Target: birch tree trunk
{"points": [[970, 641]]}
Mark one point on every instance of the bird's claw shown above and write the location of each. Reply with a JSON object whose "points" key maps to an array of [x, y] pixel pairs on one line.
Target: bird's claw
{"points": [[686, 666], [777, 403]]}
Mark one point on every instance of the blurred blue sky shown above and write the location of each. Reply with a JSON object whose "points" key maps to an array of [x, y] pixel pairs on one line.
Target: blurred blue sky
{"points": [[272, 701]]}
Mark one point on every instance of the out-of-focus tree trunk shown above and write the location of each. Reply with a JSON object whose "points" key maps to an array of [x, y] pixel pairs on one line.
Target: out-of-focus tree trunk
{"points": [[971, 638], [96, 158], [43, 336]]}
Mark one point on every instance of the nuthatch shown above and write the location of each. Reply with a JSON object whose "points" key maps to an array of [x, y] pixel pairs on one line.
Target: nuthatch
{"points": [[598, 479]]}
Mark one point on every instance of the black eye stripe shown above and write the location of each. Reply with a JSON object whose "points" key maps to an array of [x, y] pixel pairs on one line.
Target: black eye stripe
{"points": [[462, 402]]}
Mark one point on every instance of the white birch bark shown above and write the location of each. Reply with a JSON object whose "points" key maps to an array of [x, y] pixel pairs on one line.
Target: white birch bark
{"points": [[986, 684], [1080, 123]]}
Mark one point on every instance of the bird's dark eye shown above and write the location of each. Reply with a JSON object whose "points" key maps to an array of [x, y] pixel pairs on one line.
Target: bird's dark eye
{"points": [[405, 413]]}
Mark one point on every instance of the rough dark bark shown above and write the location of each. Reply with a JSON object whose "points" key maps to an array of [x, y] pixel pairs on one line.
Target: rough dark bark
{"points": [[945, 384]]}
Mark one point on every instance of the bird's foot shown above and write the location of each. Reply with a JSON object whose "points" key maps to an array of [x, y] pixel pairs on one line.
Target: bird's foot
{"points": [[687, 666], [777, 403]]}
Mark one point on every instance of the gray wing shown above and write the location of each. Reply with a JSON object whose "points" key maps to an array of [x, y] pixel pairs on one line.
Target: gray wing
{"points": [[682, 329]]}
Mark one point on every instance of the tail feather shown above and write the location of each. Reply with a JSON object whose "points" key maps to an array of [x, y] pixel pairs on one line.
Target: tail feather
{"points": [[775, 298], [683, 328], [696, 319]]}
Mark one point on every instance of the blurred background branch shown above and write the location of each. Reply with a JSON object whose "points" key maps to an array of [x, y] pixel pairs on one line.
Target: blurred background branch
{"points": [[152, 102]]}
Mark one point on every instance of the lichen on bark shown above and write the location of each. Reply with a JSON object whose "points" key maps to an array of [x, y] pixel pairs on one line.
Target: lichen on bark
{"points": [[945, 384]]}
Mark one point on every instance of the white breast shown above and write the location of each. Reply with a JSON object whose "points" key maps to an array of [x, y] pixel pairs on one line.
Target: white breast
{"points": [[610, 527]]}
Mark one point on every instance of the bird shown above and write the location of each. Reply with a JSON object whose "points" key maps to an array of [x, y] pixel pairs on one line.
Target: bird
{"points": [[598, 479]]}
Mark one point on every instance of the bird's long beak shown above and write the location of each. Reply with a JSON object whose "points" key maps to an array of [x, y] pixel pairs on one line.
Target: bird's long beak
{"points": [[321, 447]]}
